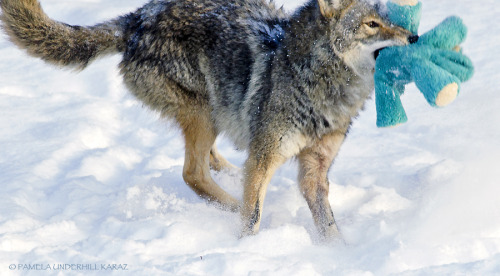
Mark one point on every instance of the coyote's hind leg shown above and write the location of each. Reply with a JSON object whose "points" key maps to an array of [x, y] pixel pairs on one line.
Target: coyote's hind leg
{"points": [[218, 162], [199, 134]]}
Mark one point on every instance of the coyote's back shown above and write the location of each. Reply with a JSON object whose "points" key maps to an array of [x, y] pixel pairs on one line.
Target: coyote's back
{"points": [[279, 85]]}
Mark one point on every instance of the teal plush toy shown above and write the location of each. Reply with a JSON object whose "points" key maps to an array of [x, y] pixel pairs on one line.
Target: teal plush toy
{"points": [[434, 63]]}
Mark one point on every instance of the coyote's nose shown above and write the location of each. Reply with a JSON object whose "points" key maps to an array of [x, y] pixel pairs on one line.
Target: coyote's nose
{"points": [[413, 39]]}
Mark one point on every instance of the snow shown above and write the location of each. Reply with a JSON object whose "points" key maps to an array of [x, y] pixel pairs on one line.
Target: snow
{"points": [[88, 176]]}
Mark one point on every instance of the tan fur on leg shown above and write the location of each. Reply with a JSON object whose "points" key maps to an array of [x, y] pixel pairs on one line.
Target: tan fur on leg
{"points": [[258, 172], [218, 162], [199, 135]]}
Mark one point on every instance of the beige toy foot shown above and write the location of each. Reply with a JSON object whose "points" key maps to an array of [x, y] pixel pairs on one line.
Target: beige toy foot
{"points": [[405, 2], [447, 95]]}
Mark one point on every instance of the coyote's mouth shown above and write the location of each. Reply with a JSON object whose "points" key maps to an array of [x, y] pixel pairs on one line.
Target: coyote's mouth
{"points": [[377, 53], [411, 40]]}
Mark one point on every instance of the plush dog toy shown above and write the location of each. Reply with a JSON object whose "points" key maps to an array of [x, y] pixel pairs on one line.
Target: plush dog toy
{"points": [[434, 62]]}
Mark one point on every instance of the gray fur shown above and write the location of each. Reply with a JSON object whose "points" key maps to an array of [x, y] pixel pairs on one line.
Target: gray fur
{"points": [[275, 83]]}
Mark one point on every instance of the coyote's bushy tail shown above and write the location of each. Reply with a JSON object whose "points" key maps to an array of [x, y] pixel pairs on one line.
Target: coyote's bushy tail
{"points": [[30, 28]]}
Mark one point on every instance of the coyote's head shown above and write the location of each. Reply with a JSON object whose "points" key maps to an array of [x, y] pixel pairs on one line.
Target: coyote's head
{"points": [[359, 31]]}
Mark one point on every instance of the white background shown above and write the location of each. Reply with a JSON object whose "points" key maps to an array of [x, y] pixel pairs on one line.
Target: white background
{"points": [[90, 176]]}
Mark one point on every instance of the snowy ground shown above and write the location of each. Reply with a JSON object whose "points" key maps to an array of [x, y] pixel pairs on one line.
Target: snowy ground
{"points": [[89, 176]]}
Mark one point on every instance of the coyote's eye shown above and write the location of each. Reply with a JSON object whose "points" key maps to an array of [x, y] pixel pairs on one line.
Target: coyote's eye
{"points": [[373, 24]]}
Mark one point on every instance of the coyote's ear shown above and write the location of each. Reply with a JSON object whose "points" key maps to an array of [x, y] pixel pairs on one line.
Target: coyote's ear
{"points": [[329, 8]]}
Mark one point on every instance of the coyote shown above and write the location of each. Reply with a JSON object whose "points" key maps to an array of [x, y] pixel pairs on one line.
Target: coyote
{"points": [[278, 84]]}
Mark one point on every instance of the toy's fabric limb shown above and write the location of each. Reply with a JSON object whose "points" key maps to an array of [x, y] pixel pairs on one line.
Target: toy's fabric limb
{"points": [[457, 64], [406, 16], [390, 111], [432, 80], [391, 76], [447, 35], [431, 63]]}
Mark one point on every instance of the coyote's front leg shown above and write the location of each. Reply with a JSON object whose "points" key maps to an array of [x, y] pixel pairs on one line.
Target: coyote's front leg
{"points": [[314, 163]]}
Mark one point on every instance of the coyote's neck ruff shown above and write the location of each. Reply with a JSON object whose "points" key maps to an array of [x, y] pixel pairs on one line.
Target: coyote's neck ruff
{"points": [[279, 85]]}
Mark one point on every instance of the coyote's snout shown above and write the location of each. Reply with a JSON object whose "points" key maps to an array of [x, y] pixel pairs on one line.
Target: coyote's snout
{"points": [[279, 85]]}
